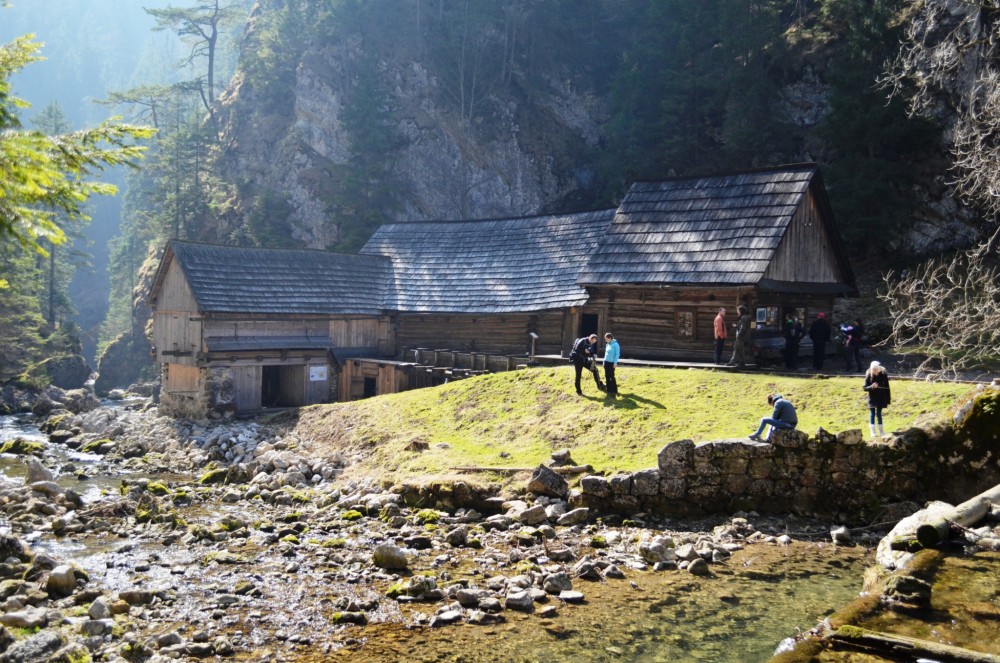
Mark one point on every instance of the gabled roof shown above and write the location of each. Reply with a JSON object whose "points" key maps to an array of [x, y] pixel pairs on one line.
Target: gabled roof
{"points": [[718, 230], [494, 266], [230, 279]]}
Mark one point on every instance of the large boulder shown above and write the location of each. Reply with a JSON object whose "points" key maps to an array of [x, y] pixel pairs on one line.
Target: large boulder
{"points": [[123, 362], [67, 371], [546, 482]]}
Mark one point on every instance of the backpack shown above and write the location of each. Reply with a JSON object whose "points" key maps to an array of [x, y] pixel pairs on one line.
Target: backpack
{"points": [[574, 354]]}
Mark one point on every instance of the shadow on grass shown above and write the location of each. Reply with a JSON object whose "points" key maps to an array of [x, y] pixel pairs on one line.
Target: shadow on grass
{"points": [[630, 401]]}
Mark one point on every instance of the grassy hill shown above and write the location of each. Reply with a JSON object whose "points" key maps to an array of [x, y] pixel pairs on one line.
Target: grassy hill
{"points": [[518, 419]]}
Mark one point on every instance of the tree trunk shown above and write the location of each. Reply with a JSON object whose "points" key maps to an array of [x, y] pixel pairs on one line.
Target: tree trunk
{"points": [[937, 530], [904, 648]]}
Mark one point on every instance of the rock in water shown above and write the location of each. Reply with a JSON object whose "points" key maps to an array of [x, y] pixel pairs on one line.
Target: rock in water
{"points": [[389, 557]]}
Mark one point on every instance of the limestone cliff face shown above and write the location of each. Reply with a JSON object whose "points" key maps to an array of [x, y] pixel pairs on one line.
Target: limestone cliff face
{"points": [[514, 157]]}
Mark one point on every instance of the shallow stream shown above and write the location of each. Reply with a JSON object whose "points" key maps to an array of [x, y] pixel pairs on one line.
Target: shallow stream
{"points": [[761, 595]]}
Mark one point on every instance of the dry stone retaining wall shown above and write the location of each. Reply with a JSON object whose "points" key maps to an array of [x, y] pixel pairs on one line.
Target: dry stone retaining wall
{"points": [[825, 475]]}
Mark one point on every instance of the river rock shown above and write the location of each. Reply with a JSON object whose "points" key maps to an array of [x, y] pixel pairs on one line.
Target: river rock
{"points": [[11, 546], [38, 647], [574, 517], [457, 537], [659, 549], [28, 618], [37, 471], [99, 609], [699, 567], [557, 582], [544, 481], [389, 557], [446, 617], [519, 600], [571, 596], [534, 515], [841, 535], [61, 581], [97, 627]]}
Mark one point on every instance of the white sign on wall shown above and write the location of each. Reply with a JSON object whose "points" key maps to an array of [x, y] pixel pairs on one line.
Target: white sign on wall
{"points": [[317, 373]]}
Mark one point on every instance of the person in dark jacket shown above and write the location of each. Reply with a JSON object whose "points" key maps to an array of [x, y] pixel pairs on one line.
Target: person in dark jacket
{"points": [[742, 344], [879, 395], [855, 341], [820, 334], [783, 416], [583, 356], [793, 333]]}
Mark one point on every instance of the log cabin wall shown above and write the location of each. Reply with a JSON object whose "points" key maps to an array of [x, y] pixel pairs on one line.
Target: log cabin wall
{"points": [[669, 323], [505, 334]]}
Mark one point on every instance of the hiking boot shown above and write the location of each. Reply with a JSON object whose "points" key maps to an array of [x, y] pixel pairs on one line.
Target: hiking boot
{"points": [[756, 438]]}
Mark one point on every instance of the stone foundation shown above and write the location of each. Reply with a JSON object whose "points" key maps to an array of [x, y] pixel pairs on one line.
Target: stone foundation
{"points": [[825, 475]]}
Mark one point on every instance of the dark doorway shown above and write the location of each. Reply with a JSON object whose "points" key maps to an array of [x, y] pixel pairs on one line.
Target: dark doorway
{"points": [[270, 386], [371, 388], [588, 324]]}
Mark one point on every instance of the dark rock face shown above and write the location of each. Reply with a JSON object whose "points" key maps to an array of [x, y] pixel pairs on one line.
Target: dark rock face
{"points": [[67, 371], [123, 363]]}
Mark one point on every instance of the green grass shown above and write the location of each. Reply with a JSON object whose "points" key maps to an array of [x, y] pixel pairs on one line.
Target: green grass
{"points": [[518, 419]]}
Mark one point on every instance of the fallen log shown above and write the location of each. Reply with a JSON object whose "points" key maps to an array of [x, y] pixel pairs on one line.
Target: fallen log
{"points": [[898, 646], [938, 529]]}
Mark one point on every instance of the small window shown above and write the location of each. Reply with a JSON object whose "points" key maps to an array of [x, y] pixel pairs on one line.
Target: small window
{"points": [[768, 317], [685, 323]]}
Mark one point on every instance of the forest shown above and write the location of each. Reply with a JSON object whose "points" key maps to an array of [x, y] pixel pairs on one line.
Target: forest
{"points": [[892, 98]]}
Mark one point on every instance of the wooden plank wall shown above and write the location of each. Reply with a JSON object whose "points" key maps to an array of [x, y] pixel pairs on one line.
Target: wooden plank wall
{"points": [[806, 253], [182, 379], [505, 334], [361, 332], [246, 387], [226, 326], [176, 323]]}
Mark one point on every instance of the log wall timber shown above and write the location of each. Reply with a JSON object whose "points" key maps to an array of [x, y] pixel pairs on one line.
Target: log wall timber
{"points": [[654, 323], [505, 334], [806, 252]]}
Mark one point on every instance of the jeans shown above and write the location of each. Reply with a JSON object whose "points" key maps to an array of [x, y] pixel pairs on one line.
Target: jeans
{"points": [[773, 423], [876, 414], [579, 372], [719, 344]]}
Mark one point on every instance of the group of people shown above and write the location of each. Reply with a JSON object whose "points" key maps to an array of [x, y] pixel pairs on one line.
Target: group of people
{"points": [[820, 333], [783, 416], [584, 355]]}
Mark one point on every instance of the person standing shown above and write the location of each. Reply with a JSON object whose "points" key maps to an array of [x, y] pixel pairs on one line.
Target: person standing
{"points": [[879, 395], [741, 344], [820, 334], [855, 341], [793, 336], [612, 353], [583, 355], [783, 416], [720, 334]]}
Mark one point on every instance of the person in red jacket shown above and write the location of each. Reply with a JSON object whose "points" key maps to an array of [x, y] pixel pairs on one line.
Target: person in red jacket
{"points": [[720, 334]]}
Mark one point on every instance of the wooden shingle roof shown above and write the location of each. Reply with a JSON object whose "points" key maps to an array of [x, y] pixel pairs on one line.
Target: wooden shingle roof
{"points": [[719, 230], [229, 279], [494, 266]]}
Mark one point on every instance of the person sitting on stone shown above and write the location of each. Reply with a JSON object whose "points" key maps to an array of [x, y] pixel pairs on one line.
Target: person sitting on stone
{"points": [[783, 416]]}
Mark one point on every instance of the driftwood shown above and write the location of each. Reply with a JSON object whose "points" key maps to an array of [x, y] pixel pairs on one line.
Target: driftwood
{"points": [[938, 529], [568, 469], [898, 646]]}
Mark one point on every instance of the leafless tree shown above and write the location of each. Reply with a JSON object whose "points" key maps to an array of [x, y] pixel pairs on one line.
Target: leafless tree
{"points": [[949, 309]]}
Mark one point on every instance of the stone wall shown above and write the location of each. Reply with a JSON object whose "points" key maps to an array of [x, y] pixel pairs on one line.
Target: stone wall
{"points": [[840, 476]]}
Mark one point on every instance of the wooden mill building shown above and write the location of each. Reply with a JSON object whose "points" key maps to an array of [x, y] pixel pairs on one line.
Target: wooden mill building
{"points": [[247, 328], [677, 250]]}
